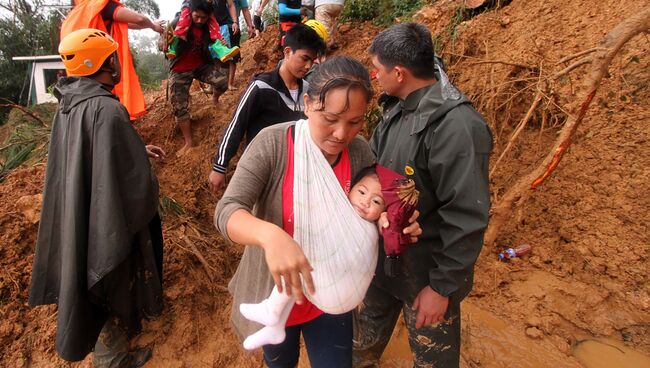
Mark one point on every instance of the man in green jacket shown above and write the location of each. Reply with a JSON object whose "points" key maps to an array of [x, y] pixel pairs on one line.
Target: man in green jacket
{"points": [[431, 134], [99, 247]]}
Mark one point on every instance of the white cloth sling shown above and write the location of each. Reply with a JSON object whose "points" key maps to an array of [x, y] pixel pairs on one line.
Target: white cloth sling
{"points": [[340, 246]]}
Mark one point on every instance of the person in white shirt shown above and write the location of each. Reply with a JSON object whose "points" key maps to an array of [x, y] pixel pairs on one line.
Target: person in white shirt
{"points": [[326, 12]]}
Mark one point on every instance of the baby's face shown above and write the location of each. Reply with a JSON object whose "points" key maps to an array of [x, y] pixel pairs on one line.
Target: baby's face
{"points": [[366, 198]]}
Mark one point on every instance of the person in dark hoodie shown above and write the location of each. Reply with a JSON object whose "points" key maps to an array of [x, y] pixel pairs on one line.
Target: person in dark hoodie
{"points": [[99, 247], [271, 97], [430, 133]]}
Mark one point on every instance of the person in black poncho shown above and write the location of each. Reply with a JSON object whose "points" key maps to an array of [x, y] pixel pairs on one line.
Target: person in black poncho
{"points": [[99, 248]]}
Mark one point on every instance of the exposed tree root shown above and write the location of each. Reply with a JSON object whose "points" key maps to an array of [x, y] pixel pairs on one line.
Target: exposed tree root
{"points": [[602, 56]]}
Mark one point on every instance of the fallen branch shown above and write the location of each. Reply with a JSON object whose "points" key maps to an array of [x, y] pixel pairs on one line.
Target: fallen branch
{"points": [[12, 105], [529, 67], [578, 54], [522, 189], [198, 255], [483, 61], [569, 68], [518, 130], [153, 102]]}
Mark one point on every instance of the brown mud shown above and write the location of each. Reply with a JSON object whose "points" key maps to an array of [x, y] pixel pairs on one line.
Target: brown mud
{"points": [[586, 278]]}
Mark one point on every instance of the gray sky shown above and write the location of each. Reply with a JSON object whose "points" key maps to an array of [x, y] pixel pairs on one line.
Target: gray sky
{"points": [[168, 8]]}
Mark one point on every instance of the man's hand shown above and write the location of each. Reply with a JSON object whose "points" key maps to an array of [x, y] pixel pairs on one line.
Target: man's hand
{"points": [[430, 306], [235, 27], [413, 229], [216, 180], [251, 31], [159, 26], [155, 152]]}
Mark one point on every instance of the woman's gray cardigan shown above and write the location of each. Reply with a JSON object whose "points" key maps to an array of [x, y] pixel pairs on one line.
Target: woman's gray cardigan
{"points": [[256, 186]]}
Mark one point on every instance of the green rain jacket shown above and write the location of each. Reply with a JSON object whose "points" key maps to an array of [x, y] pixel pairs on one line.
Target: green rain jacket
{"points": [[444, 145], [99, 247]]}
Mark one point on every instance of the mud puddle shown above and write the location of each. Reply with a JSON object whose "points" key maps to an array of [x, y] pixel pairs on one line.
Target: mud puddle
{"points": [[608, 353], [488, 341]]}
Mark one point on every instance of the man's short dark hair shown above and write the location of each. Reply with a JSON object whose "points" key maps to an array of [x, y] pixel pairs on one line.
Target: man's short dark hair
{"points": [[302, 37], [201, 5], [408, 45]]}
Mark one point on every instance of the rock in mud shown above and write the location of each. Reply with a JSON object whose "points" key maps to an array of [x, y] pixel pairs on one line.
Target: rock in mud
{"points": [[30, 207], [534, 333], [533, 321]]}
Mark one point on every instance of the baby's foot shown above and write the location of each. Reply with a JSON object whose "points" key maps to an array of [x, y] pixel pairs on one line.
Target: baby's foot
{"points": [[268, 335], [262, 312]]}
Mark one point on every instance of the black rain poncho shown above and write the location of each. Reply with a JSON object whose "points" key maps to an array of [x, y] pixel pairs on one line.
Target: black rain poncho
{"points": [[99, 247]]}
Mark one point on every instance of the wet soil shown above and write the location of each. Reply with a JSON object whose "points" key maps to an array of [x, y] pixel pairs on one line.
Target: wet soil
{"points": [[586, 277]]}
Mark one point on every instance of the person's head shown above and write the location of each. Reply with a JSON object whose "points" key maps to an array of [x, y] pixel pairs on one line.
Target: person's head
{"points": [[200, 11], [403, 55], [319, 28], [91, 53], [365, 196], [302, 45], [336, 102]]}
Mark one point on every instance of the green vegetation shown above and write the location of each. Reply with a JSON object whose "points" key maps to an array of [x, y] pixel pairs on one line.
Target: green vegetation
{"points": [[373, 118], [148, 7], [382, 12], [31, 28], [27, 138], [169, 206], [26, 29], [450, 32], [151, 68], [270, 13]]}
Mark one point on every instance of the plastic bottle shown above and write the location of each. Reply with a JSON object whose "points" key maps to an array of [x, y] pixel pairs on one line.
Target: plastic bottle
{"points": [[519, 251]]}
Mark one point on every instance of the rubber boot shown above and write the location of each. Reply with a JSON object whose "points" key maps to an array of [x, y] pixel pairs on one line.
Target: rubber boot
{"points": [[171, 49], [223, 52]]}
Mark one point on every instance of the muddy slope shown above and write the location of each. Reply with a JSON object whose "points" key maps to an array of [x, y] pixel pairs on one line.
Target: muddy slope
{"points": [[587, 276]]}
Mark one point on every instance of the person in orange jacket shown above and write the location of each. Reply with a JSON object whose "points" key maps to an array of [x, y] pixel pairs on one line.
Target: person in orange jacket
{"points": [[113, 18]]}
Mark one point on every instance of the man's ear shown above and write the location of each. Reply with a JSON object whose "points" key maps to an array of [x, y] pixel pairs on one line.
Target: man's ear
{"points": [[287, 52], [401, 73]]}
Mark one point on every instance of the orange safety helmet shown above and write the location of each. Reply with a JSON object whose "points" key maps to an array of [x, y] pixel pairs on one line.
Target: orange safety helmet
{"points": [[84, 51], [319, 28]]}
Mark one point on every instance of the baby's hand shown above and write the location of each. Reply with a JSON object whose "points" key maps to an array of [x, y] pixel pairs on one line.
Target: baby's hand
{"points": [[382, 222]]}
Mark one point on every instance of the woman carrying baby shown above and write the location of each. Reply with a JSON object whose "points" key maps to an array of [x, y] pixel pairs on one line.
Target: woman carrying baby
{"points": [[257, 209]]}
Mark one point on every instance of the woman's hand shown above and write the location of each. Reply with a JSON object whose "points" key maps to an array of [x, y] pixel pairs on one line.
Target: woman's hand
{"points": [[286, 261], [284, 257]]}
